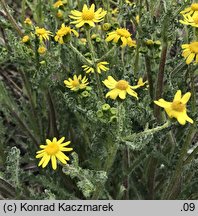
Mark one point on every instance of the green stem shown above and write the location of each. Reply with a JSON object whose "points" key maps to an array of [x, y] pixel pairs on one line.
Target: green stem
{"points": [[149, 131], [25, 127], [80, 55], [23, 5], [93, 55], [149, 76], [10, 18], [160, 80], [113, 149], [36, 123], [191, 156], [179, 166]]}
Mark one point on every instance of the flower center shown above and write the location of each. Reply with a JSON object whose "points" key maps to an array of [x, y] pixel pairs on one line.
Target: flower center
{"points": [[75, 83], [178, 106], [123, 33], [194, 47], [88, 15], [194, 7], [52, 148], [122, 85]]}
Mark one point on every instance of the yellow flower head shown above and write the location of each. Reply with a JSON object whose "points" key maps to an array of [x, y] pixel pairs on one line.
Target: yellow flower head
{"points": [[177, 108], [121, 35], [119, 88], [99, 67], [63, 32], [140, 82], [137, 18], [190, 52], [77, 83], [53, 150], [129, 2], [188, 20], [28, 21], [83, 41], [42, 50], [57, 4], [42, 33], [25, 39], [59, 14], [192, 10], [87, 16]]}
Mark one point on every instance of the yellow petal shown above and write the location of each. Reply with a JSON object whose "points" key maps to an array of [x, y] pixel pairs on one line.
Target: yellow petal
{"points": [[186, 98], [177, 96], [181, 119], [113, 94], [61, 140], [122, 94], [162, 103], [132, 93], [190, 58], [61, 159], [46, 161], [54, 163]]}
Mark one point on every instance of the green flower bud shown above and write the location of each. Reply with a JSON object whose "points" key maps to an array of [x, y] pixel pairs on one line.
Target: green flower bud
{"points": [[105, 107], [85, 94], [158, 43], [98, 39], [113, 111], [99, 114], [88, 88], [113, 118], [106, 26]]}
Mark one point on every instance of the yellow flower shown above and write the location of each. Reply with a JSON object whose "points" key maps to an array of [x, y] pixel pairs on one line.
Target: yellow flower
{"points": [[63, 32], [88, 69], [99, 67], [25, 39], [149, 42], [106, 26], [83, 41], [28, 21], [188, 20], [58, 4], [192, 10], [177, 108], [140, 82], [41, 50], [123, 35], [119, 88], [190, 52], [42, 33], [129, 2], [53, 150], [77, 83], [59, 14], [87, 16], [137, 18]]}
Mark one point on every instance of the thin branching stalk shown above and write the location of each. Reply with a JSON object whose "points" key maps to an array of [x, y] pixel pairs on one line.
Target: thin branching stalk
{"points": [[80, 55], [93, 55], [10, 18], [25, 127], [149, 76], [23, 7], [53, 130], [191, 156]]}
